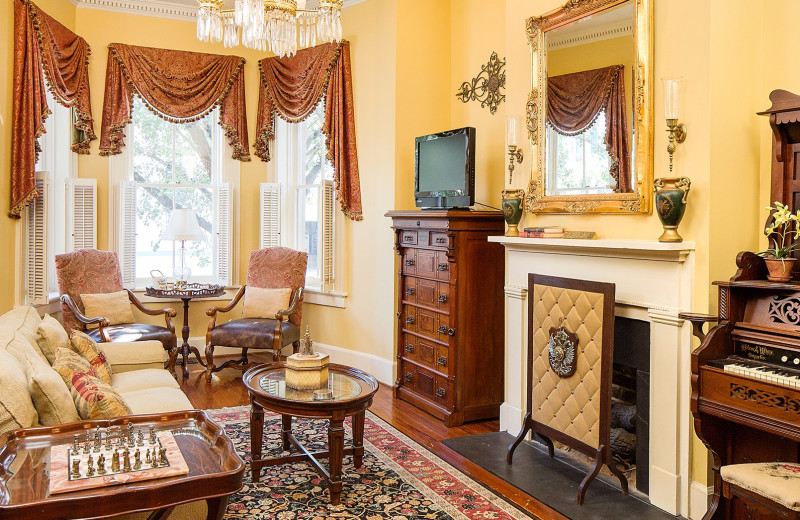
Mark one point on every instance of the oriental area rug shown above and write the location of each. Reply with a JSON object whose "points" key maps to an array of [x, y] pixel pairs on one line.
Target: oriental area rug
{"points": [[399, 480]]}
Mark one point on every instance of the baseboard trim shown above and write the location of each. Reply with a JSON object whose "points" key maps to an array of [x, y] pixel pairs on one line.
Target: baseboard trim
{"points": [[699, 498], [382, 369]]}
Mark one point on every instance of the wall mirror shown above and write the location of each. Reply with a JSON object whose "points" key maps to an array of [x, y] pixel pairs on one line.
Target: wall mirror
{"points": [[589, 113]]}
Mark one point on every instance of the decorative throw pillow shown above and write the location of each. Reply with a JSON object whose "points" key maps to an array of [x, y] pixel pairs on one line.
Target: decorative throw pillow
{"points": [[86, 347], [115, 307], [50, 395], [50, 336], [264, 303], [16, 406], [93, 398]]}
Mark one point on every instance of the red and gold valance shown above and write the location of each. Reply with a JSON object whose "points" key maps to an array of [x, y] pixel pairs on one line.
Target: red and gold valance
{"points": [[292, 87], [575, 100], [179, 86], [43, 48]]}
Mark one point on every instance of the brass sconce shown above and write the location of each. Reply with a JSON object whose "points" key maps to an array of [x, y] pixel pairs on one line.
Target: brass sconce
{"points": [[514, 153], [677, 130]]}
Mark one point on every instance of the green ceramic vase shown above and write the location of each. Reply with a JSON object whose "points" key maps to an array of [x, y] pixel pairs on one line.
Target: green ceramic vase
{"points": [[671, 194], [512, 210]]}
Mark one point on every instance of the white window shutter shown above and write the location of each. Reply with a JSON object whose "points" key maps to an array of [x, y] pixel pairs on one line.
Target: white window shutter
{"points": [[36, 284], [81, 214], [223, 235], [328, 235], [127, 247], [270, 235]]}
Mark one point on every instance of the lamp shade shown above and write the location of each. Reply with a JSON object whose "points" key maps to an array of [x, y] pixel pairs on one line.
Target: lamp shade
{"points": [[183, 225]]}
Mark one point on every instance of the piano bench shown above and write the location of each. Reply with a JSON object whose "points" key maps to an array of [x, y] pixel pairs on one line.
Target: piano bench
{"points": [[773, 488]]}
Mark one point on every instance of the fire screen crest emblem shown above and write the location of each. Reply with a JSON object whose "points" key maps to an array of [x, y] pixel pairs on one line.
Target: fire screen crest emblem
{"points": [[561, 348]]}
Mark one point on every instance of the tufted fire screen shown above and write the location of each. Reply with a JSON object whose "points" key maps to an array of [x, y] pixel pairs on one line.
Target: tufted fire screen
{"points": [[570, 356]]}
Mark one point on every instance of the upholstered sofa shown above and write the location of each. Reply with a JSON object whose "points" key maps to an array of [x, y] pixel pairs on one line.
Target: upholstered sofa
{"points": [[138, 376]]}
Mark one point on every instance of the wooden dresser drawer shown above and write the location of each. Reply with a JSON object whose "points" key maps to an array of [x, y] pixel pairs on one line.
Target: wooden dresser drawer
{"points": [[408, 261], [408, 238], [433, 294], [408, 318], [443, 266], [438, 239], [426, 263], [429, 384], [427, 352], [410, 289]]}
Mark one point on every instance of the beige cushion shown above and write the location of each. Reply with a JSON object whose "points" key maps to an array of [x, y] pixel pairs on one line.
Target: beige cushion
{"points": [[50, 336], [142, 380], [20, 323], [50, 395], [20, 348], [157, 400], [127, 356], [115, 307], [16, 406], [777, 481], [265, 303]]}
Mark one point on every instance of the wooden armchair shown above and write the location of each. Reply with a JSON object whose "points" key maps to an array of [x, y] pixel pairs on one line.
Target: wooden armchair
{"points": [[270, 268], [89, 271]]}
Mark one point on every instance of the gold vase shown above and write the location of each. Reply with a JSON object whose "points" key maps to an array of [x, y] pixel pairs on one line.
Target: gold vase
{"points": [[671, 194]]}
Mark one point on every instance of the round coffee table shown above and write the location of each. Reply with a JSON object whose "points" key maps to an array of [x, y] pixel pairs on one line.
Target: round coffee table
{"points": [[352, 395]]}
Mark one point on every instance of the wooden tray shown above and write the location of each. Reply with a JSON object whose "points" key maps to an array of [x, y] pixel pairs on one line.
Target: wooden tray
{"points": [[215, 470]]}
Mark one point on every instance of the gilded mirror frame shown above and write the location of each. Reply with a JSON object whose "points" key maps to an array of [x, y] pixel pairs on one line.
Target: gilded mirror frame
{"points": [[640, 201]]}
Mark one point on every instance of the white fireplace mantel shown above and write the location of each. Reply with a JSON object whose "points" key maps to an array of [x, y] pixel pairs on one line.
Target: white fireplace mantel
{"points": [[654, 283]]}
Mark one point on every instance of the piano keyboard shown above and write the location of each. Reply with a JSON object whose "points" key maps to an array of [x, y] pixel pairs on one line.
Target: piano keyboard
{"points": [[789, 377]]}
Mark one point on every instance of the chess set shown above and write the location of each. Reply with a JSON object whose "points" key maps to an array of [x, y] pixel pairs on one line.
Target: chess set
{"points": [[112, 456]]}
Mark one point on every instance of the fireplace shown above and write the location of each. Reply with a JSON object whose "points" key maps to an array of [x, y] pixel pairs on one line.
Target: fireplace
{"points": [[654, 283]]}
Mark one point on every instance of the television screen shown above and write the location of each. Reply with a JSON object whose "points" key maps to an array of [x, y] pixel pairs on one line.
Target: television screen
{"points": [[445, 169]]}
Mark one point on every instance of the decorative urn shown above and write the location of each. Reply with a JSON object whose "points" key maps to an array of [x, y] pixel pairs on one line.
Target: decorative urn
{"points": [[671, 194], [512, 210]]}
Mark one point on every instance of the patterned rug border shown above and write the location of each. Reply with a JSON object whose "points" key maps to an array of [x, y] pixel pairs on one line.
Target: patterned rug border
{"points": [[495, 499]]}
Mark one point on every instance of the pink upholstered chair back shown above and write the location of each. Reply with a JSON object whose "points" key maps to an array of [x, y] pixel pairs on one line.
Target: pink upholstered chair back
{"points": [[276, 268], [86, 271]]}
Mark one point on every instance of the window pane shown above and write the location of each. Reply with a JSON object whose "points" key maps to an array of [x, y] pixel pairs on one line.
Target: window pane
{"points": [[318, 167], [308, 212], [193, 152], [152, 146], [199, 254], [153, 209]]}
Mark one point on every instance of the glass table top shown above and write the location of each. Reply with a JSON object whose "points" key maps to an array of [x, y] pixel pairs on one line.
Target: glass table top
{"points": [[343, 387]]}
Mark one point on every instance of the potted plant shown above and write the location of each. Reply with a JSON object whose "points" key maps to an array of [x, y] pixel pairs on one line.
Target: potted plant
{"points": [[779, 257]]}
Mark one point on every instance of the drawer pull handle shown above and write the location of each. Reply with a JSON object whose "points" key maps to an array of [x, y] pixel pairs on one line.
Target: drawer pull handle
{"points": [[441, 240], [409, 377], [442, 267], [442, 329], [410, 320], [442, 298], [440, 392], [442, 361], [409, 262], [409, 348], [410, 291], [451, 332], [408, 238]]}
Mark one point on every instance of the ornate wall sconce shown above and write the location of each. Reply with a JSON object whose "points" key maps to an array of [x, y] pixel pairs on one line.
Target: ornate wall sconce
{"points": [[514, 153], [677, 130]]}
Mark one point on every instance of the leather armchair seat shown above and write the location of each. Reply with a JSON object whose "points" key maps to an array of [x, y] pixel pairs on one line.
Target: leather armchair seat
{"points": [[135, 332], [253, 333]]}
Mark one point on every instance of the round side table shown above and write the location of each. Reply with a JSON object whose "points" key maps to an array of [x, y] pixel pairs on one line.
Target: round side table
{"points": [[352, 390]]}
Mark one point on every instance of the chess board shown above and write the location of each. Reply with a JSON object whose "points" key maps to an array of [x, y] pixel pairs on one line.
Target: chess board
{"points": [[65, 459]]}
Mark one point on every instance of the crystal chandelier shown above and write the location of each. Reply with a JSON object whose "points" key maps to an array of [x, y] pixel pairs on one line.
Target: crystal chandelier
{"points": [[282, 26]]}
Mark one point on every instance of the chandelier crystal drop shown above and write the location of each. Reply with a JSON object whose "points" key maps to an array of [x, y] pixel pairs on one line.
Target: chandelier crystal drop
{"points": [[280, 26]]}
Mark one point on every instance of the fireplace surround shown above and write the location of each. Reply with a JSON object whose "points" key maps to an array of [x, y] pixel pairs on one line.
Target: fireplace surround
{"points": [[654, 283]]}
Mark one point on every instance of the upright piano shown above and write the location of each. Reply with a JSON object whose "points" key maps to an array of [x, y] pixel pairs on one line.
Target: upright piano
{"points": [[746, 377]]}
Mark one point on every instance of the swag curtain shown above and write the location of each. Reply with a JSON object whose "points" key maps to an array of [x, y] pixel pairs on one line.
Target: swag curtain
{"points": [[291, 87], [574, 102], [178, 86], [43, 48]]}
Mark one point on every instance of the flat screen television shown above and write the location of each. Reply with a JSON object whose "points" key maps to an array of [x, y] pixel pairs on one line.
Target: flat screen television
{"points": [[445, 169]]}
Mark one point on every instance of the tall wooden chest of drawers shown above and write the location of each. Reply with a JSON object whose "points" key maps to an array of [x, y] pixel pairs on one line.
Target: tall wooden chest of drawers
{"points": [[450, 313]]}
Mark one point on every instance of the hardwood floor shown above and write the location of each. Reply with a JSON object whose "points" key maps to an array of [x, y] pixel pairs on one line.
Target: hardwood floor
{"points": [[227, 390]]}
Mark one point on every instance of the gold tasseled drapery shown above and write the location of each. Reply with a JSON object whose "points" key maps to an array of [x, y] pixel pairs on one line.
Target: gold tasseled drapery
{"points": [[43, 48], [292, 87], [574, 102], [179, 86]]}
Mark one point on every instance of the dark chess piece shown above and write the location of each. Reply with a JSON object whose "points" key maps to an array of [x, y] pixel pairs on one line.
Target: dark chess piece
{"points": [[115, 462], [147, 459], [86, 444], [153, 438], [126, 460], [101, 465], [90, 466], [76, 470], [137, 460], [162, 457]]}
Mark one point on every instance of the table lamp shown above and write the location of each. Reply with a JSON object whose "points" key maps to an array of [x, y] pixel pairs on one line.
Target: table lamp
{"points": [[183, 226]]}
